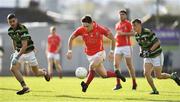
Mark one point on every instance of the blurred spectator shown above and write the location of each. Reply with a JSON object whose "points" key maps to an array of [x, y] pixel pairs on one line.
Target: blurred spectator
{"points": [[168, 62]]}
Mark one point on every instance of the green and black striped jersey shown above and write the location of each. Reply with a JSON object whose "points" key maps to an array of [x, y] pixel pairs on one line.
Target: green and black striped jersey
{"points": [[19, 34], [146, 40]]}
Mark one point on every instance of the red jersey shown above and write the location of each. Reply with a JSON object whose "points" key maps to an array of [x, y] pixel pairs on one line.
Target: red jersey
{"points": [[123, 40], [94, 39], [53, 43]]}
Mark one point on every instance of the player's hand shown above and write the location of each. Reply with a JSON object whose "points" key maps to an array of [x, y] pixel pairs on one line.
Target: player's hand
{"points": [[145, 53], [119, 32], [11, 57], [14, 60], [111, 56], [69, 55]]}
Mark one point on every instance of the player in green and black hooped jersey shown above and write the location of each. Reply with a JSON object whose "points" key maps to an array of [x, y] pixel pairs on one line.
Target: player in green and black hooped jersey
{"points": [[151, 51], [19, 34], [23, 52]]}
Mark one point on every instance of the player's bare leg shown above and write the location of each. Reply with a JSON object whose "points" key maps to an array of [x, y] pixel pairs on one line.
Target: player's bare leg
{"points": [[91, 73], [160, 75], [131, 70], [40, 72], [58, 68], [103, 73], [15, 69], [26, 69], [148, 68], [117, 61], [50, 67]]}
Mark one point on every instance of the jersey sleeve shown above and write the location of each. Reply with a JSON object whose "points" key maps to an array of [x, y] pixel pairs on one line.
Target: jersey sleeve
{"points": [[153, 37], [104, 30], [77, 32], [25, 33], [129, 27], [10, 32], [116, 26]]}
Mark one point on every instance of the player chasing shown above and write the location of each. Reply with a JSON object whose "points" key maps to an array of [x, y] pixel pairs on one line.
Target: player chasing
{"points": [[92, 34], [151, 51], [52, 52], [123, 48], [23, 51]]}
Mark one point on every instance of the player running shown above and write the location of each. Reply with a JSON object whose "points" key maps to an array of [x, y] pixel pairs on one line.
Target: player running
{"points": [[123, 48], [23, 51], [92, 34], [52, 51], [151, 51]]}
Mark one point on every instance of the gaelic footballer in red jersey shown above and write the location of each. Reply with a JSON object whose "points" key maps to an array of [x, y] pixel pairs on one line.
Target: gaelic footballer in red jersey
{"points": [[92, 34], [123, 47], [52, 52]]}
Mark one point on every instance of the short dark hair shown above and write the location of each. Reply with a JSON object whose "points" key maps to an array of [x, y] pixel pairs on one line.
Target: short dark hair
{"points": [[11, 15], [136, 21], [86, 19], [123, 11]]}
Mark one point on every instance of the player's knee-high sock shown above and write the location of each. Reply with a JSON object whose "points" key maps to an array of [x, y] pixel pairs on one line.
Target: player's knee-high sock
{"points": [[90, 77], [134, 81], [111, 74]]}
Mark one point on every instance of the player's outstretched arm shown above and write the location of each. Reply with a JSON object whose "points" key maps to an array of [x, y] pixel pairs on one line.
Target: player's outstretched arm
{"points": [[69, 52], [24, 47], [155, 45], [131, 33]]}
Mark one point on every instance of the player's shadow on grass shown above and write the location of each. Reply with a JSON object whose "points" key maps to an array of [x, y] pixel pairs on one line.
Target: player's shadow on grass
{"points": [[77, 97], [153, 100], [162, 92], [8, 89], [40, 91]]}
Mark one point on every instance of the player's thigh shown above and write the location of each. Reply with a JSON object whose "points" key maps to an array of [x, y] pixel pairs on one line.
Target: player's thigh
{"points": [[50, 62], [148, 67], [15, 67], [101, 70], [95, 64], [97, 59]]}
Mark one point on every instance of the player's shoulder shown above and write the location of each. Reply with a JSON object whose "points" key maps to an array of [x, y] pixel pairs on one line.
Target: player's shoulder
{"points": [[81, 29], [100, 26], [10, 29], [127, 21], [146, 30], [58, 36], [118, 23], [22, 26], [49, 36]]}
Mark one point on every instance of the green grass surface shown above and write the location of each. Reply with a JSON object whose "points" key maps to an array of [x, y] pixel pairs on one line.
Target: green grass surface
{"points": [[100, 90]]}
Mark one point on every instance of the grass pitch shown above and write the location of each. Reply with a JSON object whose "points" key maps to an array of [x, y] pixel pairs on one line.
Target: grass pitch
{"points": [[100, 90]]}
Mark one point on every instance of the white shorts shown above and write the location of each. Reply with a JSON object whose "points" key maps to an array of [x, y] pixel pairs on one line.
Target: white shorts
{"points": [[126, 51], [101, 54], [29, 58], [156, 62], [54, 56]]}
